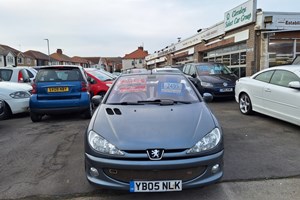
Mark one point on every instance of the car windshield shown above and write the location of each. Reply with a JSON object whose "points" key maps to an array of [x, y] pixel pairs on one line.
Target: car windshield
{"points": [[213, 69], [59, 74], [100, 75], [160, 89]]}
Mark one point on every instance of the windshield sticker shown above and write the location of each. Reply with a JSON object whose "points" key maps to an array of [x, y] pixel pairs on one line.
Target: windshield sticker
{"points": [[131, 81], [133, 88], [174, 88]]}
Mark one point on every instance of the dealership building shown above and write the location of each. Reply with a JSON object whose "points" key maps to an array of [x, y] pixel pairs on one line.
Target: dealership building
{"points": [[247, 40]]}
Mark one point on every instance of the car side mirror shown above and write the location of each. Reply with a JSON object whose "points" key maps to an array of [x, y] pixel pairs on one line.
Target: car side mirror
{"points": [[194, 75], [97, 100], [207, 97], [295, 84]]}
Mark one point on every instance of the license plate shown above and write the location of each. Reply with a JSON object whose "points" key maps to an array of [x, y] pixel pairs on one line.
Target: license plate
{"points": [[226, 89], [58, 89], [155, 186]]}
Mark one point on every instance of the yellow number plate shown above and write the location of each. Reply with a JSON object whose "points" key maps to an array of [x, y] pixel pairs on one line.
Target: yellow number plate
{"points": [[58, 89]]}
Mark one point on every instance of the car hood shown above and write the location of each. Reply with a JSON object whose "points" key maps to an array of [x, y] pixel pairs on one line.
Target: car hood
{"points": [[6, 86], [219, 78], [153, 126]]}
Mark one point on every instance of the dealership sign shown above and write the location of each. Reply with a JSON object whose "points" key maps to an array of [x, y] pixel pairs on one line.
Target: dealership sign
{"points": [[240, 15]]}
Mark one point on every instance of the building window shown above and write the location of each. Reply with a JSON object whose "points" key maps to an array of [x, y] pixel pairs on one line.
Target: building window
{"points": [[10, 60], [281, 52], [20, 60], [234, 57], [140, 61]]}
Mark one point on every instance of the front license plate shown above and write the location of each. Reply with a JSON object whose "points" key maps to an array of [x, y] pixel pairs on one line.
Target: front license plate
{"points": [[58, 89], [226, 89], [155, 186]]}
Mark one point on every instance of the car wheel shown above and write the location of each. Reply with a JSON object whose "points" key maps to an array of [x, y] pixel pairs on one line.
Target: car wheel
{"points": [[35, 117], [89, 113], [7, 112], [245, 104]]}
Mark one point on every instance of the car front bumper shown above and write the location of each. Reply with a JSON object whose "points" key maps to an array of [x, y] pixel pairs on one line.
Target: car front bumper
{"points": [[110, 172]]}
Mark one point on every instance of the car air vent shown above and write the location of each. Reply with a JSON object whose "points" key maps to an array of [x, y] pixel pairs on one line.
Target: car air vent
{"points": [[109, 111], [117, 111], [113, 111]]}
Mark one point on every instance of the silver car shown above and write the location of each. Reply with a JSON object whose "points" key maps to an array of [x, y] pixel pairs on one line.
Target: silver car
{"points": [[153, 133]]}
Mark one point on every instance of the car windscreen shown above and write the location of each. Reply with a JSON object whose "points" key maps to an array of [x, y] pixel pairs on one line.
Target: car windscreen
{"points": [[213, 69], [152, 88], [100, 75], [57, 74]]}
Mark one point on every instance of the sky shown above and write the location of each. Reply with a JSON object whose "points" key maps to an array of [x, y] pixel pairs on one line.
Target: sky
{"points": [[111, 28]]}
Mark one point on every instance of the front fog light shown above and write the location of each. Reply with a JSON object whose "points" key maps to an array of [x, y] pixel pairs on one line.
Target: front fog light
{"points": [[215, 168], [94, 172]]}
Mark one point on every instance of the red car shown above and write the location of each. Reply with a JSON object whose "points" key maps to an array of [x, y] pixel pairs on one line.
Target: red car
{"points": [[99, 82]]}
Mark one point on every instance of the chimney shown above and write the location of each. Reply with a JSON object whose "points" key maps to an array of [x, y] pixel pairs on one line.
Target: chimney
{"points": [[59, 51], [141, 48]]}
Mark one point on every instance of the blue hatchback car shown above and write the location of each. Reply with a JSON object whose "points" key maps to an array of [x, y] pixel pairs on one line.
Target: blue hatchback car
{"points": [[60, 89]]}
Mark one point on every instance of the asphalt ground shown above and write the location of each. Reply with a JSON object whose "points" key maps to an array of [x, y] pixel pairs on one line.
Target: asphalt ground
{"points": [[46, 160]]}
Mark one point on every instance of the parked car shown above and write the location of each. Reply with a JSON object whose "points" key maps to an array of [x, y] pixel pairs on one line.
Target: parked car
{"points": [[60, 89], [112, 76], [31, 72], [15, 74], [274, 92], [213, 78], [2, 104], [99, 82], [16, 98], [156, 131]]}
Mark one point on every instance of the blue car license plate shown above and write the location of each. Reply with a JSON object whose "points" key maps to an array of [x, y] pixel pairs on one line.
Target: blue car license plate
{"points": [[156, 186]]}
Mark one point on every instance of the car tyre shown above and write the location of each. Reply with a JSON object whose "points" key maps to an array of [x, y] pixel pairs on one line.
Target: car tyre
{"points": [[7, 112], [35, 117], [245, 104]]}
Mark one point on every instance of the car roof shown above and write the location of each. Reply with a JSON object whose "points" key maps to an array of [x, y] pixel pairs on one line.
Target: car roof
{"points": [[292, 68]]}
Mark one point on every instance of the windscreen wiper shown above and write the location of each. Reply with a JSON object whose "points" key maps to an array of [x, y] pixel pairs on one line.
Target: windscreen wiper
{"points": [[164, 102], [126, 103]]}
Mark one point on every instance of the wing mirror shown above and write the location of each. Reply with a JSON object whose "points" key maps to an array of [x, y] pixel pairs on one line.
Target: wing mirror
{"points": [[207, 97], [295, 84], [97, 100]]}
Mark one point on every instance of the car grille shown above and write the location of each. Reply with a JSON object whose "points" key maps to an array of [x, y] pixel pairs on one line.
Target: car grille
{"points": [[126, 175]]}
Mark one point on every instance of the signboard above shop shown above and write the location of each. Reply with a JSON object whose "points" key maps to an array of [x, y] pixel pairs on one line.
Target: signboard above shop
{"points": [[240, 15]]}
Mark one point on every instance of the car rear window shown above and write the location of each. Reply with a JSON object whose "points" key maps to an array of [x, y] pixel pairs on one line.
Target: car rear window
{"points": [[59, 74], [5, 74]]}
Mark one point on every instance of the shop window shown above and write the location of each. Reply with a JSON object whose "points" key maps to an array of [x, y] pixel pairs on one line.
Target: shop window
{"points": [[226, 59], [211, 59], [234, 59], [298, 46], [243, 58], [281, 52], [219, 59]]}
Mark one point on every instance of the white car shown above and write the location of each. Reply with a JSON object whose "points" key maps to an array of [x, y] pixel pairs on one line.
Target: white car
{"points": [[274, 92], [16, 98], [20, 74]]}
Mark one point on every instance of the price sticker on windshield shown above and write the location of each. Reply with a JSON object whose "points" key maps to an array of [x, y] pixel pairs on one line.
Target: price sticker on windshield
{"points": [[169, 87]]}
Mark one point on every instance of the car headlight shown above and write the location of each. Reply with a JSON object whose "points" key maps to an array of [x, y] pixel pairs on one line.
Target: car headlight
{"points": [[206, 84], [108, 84], [102, 145], [19, 95], [208, 142]]}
